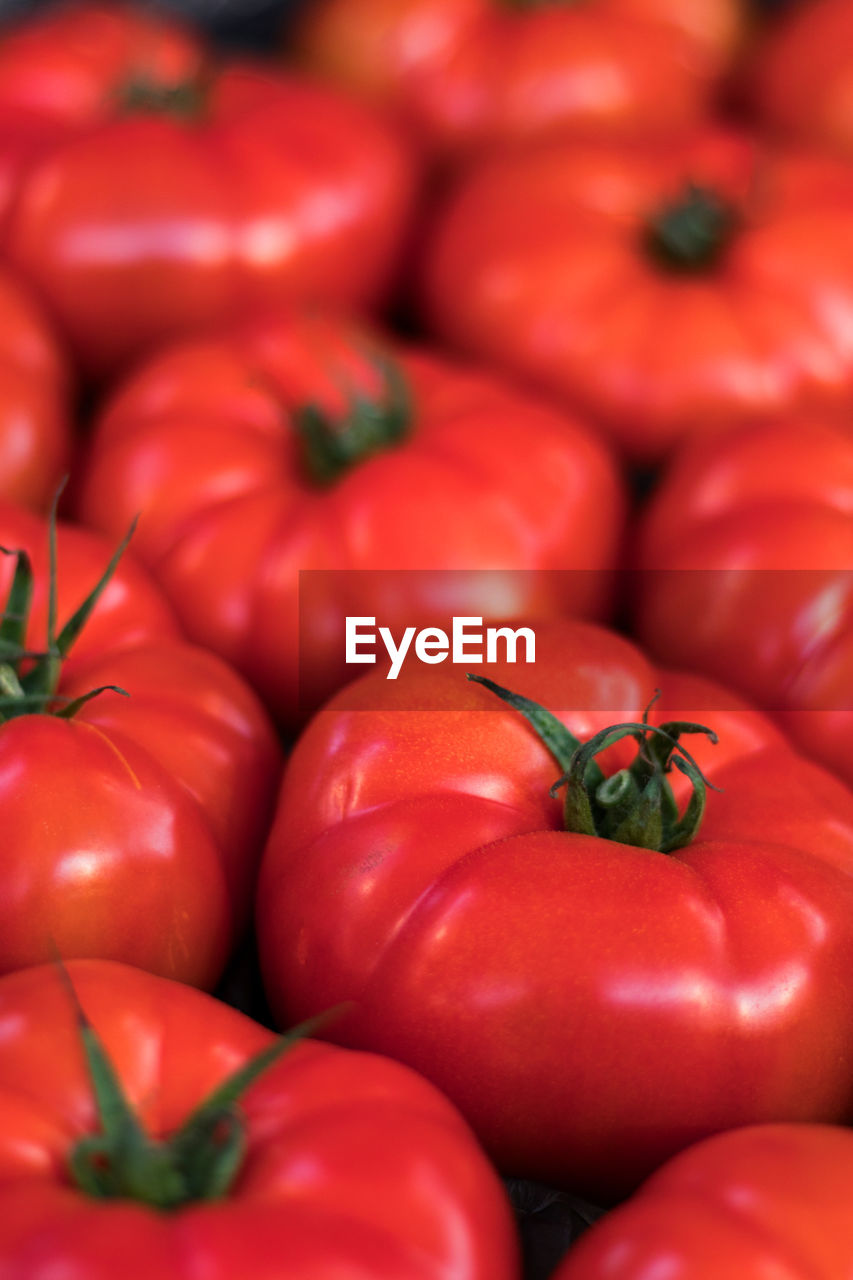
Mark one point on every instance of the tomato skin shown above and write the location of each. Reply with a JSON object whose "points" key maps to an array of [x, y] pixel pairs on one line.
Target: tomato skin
{"points": [[470, 74], [800, 80], [62, 69], [538, 262], [548, 982], [768, 1200], [203, 443], [65, 65], [35, 390], [133, 828], [148, 886], [275, 190], [354, 1165], [774, 502]]}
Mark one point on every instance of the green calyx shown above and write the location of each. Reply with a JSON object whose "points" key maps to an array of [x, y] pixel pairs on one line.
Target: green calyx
{"points": [[691, 233], [199, 1162], [332, 446], [29, 678], [139, 95], [635, 805]]}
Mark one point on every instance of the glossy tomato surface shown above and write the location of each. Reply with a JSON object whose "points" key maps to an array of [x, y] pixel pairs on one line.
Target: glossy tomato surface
{"points": [[353, 1165], [667, 292], [468, 74], [132, 829], [35, 401], [746, 551], [770, 1200], [205, 442], [246, 188], [591, 1006], [801, 80], [63, 70]]}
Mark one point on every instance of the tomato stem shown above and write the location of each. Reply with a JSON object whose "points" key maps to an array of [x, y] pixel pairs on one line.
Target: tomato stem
{"points": [[29, 678], [691, 233], [331, 447], [198, 1162], [184, 101], [635, 805]]}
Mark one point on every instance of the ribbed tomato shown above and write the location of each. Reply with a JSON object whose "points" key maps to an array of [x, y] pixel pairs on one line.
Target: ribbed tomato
{"points": [[311, 444], [467, 74], [246, 189], [597, 988], [801, 80], [148, 1130], [132, 824], [769, 1200], [35, 401], [63, 71], [668, 292], [747, 557]]}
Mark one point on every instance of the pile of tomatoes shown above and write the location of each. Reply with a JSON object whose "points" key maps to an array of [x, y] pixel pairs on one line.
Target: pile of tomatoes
{"points": [[529, 313]]}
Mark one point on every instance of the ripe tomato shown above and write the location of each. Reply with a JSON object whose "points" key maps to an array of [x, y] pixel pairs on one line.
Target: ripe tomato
{"points": [[801, 80], [228, 448], [667, 292], [63, 69], [326, 1163], [590, 1005], [747, 552], [246, 190], [35, 391], [470, 73], [769, 1200], [131, 829]]}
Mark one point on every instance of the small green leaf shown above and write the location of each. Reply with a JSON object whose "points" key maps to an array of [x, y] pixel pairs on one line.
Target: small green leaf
{"points": [[557, 738], [13, 626], [72, 707]]}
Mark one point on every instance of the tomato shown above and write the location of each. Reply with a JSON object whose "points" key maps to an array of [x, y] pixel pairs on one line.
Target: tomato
{"points": [[801, 80], [747, 557], [351, 1165], [62, 71], [35, 391], [591, 1005], [133, 828], [240, 492], [466, 74], [770, 1200], [667, 292], [247, 189]]}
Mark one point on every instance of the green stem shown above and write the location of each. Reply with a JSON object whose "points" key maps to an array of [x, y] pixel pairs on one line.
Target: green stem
{"points": [[635, 805], [690, 234], [331, 446], [186, 101], [29, 678], [198, 1163]]}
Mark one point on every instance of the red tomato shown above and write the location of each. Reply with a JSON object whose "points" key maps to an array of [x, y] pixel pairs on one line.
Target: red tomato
{"points": [[206, 443], [801, 80], [770, 1200], [468, 73], [35, 417], [245, 190], [131, 830], [591, 1006], [62, 72], [353, 1166], [748, 551], [667, 292]]}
